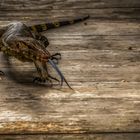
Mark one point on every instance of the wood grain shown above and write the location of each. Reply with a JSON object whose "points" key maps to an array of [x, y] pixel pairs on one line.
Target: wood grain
{"points": [[126, 136], [54, 9], [101, 61]]}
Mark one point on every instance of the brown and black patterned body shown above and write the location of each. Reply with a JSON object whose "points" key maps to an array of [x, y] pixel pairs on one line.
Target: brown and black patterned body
{"points": [[27, 44], [18, 41], [47, 26]]}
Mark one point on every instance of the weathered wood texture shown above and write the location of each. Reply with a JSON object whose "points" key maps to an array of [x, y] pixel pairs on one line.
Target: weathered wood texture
{"points": [[127, 136], [40, 9], [101, 60]]}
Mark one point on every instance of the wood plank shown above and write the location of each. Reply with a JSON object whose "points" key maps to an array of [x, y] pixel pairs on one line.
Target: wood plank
{"points": [[38, 109], [127, 136], [106, 83], [103, 35], [49, 111], [44, 15], [67, 4], [48, 10], [89, 66], [104, 74]]}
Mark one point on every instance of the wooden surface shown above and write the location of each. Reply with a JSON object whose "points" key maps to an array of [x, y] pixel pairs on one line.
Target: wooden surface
{"points": [[101, 61], [133, 136]]}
